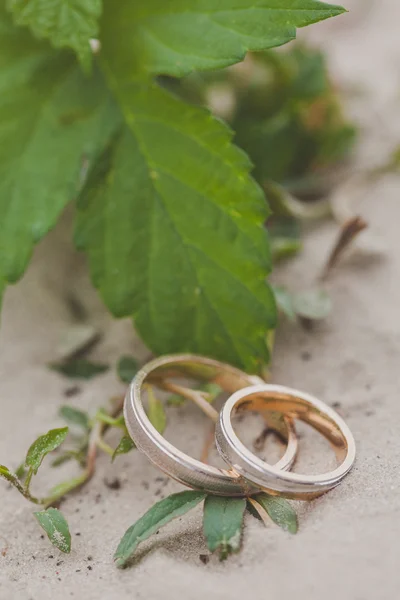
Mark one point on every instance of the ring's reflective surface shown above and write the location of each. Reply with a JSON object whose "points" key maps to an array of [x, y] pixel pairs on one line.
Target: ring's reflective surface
{"points": [[168, 458], [297, 405]]}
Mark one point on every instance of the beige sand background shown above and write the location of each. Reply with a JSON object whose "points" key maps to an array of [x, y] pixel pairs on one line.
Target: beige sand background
{"points": [[348, 544]]}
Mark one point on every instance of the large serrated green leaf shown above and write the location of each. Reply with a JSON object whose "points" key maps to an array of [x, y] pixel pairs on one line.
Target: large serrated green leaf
{"points": [[222, 523], [66, 23], [53, 121], [174, 229], [158, 515], [179, 36]]}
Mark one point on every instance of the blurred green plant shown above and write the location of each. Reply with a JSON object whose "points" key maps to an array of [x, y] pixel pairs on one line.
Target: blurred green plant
{"points": [[287, 116], [166, 209]]}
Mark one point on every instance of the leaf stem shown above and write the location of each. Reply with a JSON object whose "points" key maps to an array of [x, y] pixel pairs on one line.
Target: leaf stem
{"points": [[196, 396], [95, 442], [28, 479]]}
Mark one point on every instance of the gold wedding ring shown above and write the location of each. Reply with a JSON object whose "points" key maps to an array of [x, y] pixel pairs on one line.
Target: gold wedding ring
{"points": [[168, 458], [297, 405]]}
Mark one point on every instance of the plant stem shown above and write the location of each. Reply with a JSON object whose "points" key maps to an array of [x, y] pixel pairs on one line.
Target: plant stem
{"points": [[194, 395], [28, 480], [95, 442]]}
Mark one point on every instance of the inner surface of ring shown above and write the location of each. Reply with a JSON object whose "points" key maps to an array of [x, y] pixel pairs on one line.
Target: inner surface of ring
{"points": [[190, 471], [296, 408]]}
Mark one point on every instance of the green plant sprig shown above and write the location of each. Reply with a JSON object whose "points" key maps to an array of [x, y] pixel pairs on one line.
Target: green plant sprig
{"points": [[223, 517]]}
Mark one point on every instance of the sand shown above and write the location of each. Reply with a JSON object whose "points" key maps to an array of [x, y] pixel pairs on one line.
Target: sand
{"points": [[348, 543]]}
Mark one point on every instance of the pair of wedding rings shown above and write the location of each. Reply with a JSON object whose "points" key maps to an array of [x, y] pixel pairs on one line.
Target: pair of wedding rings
{"points": [[247, 473]]}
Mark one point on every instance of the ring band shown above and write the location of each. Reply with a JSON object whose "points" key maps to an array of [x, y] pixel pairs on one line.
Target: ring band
{"points": [[168, 458], [298, 405]]}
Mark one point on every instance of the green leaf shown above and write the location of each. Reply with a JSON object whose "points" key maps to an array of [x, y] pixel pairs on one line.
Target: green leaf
{"points": [[43, 445], [66, 23], [175, 400], [280, 511], [312, 304], [81, 368], [105, 417], [53, 123], [160, 514], [192, 252], [284, 302], [156, 412], [54, 524], [74, 416], [222, 524], [125, 445], [180, 36], [127, 367], [212, 390]]}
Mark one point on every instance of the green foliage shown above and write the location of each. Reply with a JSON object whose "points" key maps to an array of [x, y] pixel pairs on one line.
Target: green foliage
{"points": [[187, 280], [125, 445], [180, 36], [52, 119], [222, 524], [54, 524], [168, 214], [290, 120], [280, 511], [127, 368], [314, 304], [74, 416], [66, 23], [43, 445], [222, 520], [160, 514], [79, 368]]}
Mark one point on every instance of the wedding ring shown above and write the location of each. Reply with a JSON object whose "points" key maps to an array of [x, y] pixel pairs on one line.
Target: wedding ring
{"points": [[168, 458], [297, 405]]}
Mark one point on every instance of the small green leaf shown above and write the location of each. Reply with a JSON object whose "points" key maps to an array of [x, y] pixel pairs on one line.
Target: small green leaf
{"points": [[103, 416], [284, 302], [63, 488], [43, 445], [66, 23], [125, 445], [313, 304], [156, 412], [160, 514], [175, 400], [127, 368], [280, 511], [212, 390], [54, 524], [79, 369], [74, 416], [222, 524]]}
